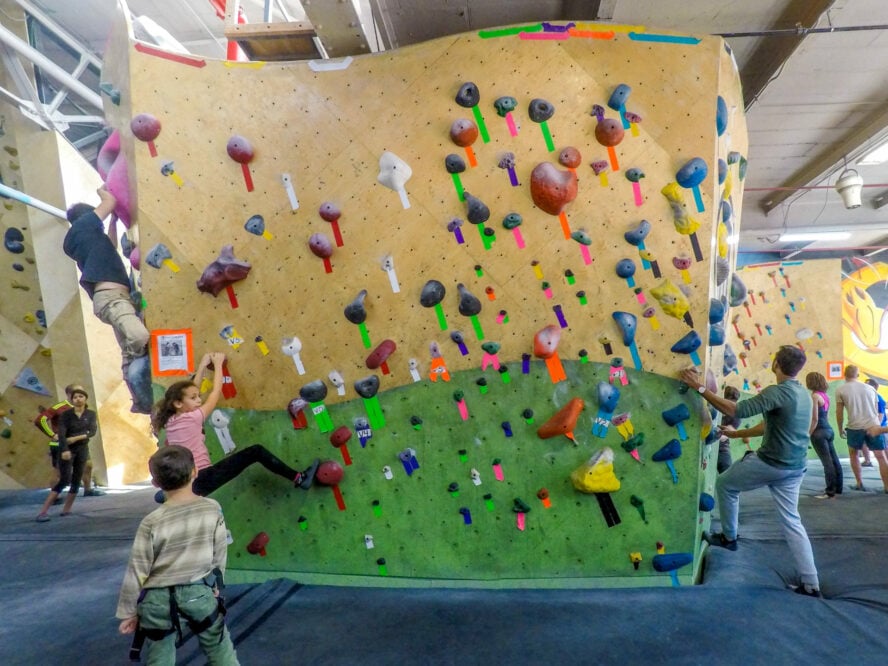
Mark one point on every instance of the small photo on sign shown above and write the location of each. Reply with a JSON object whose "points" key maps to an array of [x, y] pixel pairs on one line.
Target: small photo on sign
{"points": [[835, 369], [171, 352]]}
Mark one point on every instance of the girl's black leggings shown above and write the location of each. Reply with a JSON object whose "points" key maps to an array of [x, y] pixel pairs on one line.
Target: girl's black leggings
{"points": [[215, 476]]}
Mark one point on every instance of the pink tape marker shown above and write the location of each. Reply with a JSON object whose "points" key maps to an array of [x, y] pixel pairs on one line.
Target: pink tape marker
{"points": [[520, 521], [636, 191], [498, 471], [510, 123], [587, 256], [463, 410], [519, 239]]}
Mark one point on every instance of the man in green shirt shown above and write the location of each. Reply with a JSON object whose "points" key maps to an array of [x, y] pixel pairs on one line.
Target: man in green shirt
{"points": [[779, 463]]}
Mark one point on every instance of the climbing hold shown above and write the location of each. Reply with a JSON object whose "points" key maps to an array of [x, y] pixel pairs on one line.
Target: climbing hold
{"points": [[504, 105], [468, 95], [477, 210], [454, 163], [469, 305], [222, 272], [570, 157], [12, 240], [539, 110], [463, 132], [552, 189], [355, 311]]}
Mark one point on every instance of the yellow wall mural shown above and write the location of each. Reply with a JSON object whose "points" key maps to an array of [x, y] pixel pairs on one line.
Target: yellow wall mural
{"points": [[864, 302]]}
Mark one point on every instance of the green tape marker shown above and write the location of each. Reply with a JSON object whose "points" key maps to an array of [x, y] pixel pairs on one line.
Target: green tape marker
{"points": [[303, 523], [482, 127], [479, 333], [377, 508], [547, 135], [442, 320], [365, 336], [508, 32]]}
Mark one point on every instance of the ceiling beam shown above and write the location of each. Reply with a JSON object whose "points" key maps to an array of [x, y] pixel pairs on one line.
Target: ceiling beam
{"points": [[773, 52], [818, 168]]}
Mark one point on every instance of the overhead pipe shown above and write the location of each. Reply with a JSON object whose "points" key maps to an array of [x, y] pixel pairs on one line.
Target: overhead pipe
{"points": [[800, 31], [11, 193]]}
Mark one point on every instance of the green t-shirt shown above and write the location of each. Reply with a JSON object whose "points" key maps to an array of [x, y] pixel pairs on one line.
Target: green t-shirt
{"points": [[786, 408]]}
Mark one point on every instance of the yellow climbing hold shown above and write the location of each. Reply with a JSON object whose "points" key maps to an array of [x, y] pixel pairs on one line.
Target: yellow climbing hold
{"points": [[597, 474]]}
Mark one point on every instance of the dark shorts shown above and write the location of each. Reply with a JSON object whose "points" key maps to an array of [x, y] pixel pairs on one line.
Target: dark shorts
{"points": [[54, 456], [857, 438]]}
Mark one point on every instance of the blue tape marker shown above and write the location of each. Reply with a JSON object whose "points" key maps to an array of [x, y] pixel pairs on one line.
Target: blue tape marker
{"points": [[682, 433], [695, 358], [669, 39], [645, 264], [601, 423], [630, 281], [698, 198], [407, 467], [525, 364], [636, 359], [623, 117]]}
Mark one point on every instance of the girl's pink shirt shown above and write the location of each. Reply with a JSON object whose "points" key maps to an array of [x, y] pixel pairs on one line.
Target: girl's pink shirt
{"points": [[186, 430]]}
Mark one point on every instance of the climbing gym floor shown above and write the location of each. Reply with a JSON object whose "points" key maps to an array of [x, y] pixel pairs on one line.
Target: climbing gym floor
{"points": [[59, 583]]}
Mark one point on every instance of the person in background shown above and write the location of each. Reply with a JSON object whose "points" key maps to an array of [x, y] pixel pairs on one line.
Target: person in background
{"points": [[175, 569], [859, 401], [76, 427], [104, 278], [823, 436], [731, 393], [883, 420], [47, 422], [779, 463]]}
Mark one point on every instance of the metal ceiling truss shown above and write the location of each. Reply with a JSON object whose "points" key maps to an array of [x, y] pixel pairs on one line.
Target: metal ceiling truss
{"points": [[15, 53]]}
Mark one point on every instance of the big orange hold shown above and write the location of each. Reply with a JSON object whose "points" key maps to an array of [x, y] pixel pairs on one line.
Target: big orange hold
{"points": [[552, 189]]}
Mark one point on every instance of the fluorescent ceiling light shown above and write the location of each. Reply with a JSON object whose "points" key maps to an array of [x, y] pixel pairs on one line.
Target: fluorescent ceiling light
{"points": [[815, 236], [877, 155]]}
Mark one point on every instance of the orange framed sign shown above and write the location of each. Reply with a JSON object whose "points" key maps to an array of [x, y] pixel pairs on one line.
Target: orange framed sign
{"points": [[172, 352], [835, 369]]}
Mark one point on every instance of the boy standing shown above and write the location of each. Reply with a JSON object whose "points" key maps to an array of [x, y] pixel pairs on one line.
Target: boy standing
{"points": [[177, 548]]}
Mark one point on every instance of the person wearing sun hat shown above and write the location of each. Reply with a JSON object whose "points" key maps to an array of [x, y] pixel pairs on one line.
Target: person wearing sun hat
{"points": [[76, 427]]}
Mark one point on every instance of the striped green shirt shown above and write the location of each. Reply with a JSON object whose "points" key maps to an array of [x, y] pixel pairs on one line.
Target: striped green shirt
{"points": [[175, 544]]}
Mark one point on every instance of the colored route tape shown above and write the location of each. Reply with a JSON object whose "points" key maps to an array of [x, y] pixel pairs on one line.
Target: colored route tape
{"points": [[175, 57], [668, 39]]}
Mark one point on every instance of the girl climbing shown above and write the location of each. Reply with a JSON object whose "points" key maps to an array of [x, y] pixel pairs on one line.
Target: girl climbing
{"points": [[181, 412]]}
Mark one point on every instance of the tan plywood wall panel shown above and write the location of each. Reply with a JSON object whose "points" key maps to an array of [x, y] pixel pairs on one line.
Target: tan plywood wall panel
{"points": [[787, 304], [328, 130]]}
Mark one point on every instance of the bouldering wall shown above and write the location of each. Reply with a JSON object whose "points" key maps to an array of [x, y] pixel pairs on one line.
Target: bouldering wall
{"points": [[415, 260], [786, 303]]}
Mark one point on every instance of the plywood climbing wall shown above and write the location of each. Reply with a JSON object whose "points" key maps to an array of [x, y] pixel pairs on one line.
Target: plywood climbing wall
{"points": [[447, 479], [786, 304]]}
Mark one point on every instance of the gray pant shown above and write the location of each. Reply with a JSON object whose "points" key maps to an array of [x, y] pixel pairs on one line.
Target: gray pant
{"points": [[751, 473], [197, 601], [114, 307]]}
